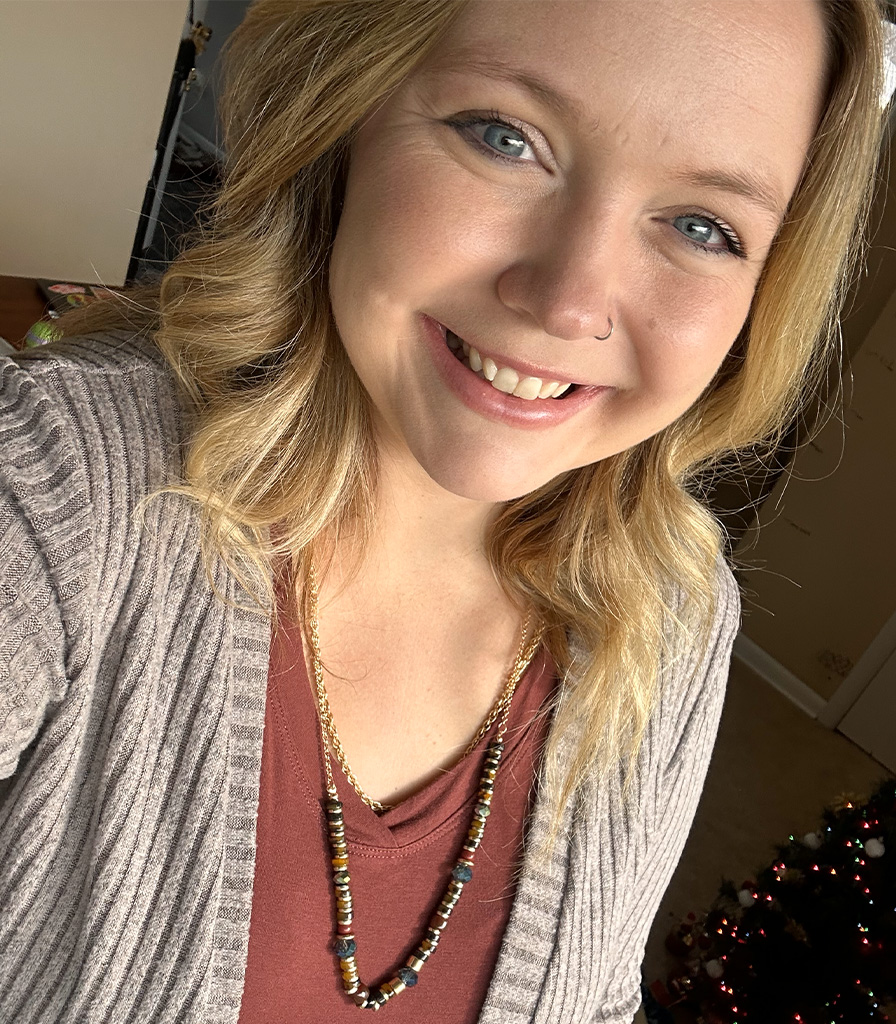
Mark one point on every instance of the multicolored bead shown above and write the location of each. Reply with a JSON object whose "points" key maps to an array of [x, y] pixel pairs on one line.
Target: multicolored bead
{"points": [[345, 945], [462, 871]]}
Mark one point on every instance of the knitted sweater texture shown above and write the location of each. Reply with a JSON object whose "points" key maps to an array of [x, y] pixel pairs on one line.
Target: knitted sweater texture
{"points": [[131, 713]]}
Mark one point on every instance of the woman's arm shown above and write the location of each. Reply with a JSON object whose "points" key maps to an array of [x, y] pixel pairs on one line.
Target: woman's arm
{"points": [[45, 549]]}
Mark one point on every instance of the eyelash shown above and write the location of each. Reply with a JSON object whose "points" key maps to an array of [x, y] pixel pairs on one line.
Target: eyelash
{"points": [[462, 124]]}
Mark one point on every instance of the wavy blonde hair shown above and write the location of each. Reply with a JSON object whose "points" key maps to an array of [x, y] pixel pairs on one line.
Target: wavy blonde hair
{"points": [[621, 554]]}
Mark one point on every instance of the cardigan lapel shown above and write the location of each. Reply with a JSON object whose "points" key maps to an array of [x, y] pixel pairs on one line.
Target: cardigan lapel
{"points": [[524, 982]]}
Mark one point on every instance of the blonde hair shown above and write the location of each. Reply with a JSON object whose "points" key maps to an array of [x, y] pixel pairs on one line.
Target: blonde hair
{"points": [[620, 555]]}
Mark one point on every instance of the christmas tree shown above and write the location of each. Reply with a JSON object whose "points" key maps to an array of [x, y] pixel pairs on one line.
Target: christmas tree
{"points": [[812, 940]]}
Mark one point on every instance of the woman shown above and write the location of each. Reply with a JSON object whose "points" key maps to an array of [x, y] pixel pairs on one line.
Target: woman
{"points": [[404, 469]]}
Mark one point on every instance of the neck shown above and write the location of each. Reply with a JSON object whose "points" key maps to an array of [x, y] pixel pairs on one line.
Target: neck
{"points": [[422, 537]]}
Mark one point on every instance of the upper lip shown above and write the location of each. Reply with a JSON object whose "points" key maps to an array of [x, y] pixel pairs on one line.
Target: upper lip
{"points": [[522, 367]]}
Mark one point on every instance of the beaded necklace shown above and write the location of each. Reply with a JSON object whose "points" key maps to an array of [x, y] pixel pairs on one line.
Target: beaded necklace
{"points": [[345, 945]]}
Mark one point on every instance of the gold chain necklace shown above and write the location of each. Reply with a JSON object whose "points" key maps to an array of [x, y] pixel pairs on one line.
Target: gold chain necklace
{"points": [[523, 656], [345, 945]]}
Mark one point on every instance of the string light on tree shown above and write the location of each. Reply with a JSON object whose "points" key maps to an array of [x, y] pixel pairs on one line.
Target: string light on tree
{"points": [[807, 940]]}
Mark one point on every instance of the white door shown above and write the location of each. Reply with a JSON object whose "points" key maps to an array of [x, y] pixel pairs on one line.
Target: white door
{"points": [[871, 721]]}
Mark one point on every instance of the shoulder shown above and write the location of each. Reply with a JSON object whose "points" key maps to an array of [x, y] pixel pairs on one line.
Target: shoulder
{"points": [[710, 653], [727, 612], [78, 376], [694, 676], [89, 428], [99, 356], [106, 403], [724, 623]]}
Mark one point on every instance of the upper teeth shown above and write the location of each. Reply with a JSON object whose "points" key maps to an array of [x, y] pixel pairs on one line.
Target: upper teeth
{"points": [[503, 378]]}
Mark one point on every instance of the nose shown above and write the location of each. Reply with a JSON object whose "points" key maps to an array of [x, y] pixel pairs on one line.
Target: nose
{"points": [[565, 277]]}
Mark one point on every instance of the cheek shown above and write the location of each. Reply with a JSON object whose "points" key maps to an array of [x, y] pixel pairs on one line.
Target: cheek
{"points": [[688, 327], [414, 216], [395, 211]]}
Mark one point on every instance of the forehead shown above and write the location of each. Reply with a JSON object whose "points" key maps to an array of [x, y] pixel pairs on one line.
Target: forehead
{"points": [[690, 35], [705, 73]]}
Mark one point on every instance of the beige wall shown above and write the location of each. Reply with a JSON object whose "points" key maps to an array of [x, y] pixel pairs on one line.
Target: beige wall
{"points": [[83, 85], [824, 582], [819, 586]]}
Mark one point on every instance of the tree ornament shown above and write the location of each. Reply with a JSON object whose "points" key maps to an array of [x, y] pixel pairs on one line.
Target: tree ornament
{"points": [[812, 840], [714, 968], [875, 848], [681, 982], [680, 940], [746, 897]]}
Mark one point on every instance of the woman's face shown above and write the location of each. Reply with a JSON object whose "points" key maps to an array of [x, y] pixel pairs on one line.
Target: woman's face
{"points": [[552, 167]]}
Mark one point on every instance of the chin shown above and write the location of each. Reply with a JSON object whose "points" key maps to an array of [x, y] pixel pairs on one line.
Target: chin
{"points": [[491, 493], [470, 479]]}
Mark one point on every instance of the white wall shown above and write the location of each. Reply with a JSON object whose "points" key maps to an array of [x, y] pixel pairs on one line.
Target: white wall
{"points": [[83, 85]]}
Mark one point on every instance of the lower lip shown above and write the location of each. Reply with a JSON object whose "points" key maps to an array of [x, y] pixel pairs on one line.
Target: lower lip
{"points": [[477, 394]]}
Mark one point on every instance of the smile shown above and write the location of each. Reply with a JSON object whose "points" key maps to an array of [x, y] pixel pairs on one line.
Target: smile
{"points": [[504, 378], [511, 394]]}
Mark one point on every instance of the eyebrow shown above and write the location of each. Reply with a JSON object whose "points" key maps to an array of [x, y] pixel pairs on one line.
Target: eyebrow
{"points": [[495, 68], [742, 182]]}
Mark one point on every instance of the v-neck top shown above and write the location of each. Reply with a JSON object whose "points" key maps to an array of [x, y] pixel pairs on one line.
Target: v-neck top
{"points": [[399, 861]]}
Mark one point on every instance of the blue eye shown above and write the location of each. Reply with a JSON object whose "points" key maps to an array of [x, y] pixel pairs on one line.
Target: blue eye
{"points": [[494, 137], [498, 136], [708, 235]]}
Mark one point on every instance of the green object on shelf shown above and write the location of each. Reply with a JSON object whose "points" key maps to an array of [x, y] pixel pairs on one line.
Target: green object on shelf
{"points": [[42, 333]]}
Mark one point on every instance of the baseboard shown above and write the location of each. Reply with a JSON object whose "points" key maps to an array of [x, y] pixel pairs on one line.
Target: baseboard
{"points": [[774, 673]]}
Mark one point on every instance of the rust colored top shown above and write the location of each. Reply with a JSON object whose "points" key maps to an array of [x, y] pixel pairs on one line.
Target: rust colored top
{"points": [[400, 863]]}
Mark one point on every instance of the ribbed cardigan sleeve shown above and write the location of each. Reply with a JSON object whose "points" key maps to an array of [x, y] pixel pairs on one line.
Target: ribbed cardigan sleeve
{"points": [[132, 683], [608, 880], [683, 734], [46, 551]]}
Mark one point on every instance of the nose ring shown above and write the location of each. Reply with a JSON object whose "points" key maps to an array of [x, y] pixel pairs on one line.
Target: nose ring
{"points": [[603, 337]]}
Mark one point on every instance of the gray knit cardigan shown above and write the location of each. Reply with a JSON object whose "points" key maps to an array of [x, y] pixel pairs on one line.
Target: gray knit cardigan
{"points": [[131, 712]]}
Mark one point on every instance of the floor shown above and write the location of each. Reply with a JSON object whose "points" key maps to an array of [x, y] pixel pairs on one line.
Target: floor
{"points": [[773, 771], [20, 306]]}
